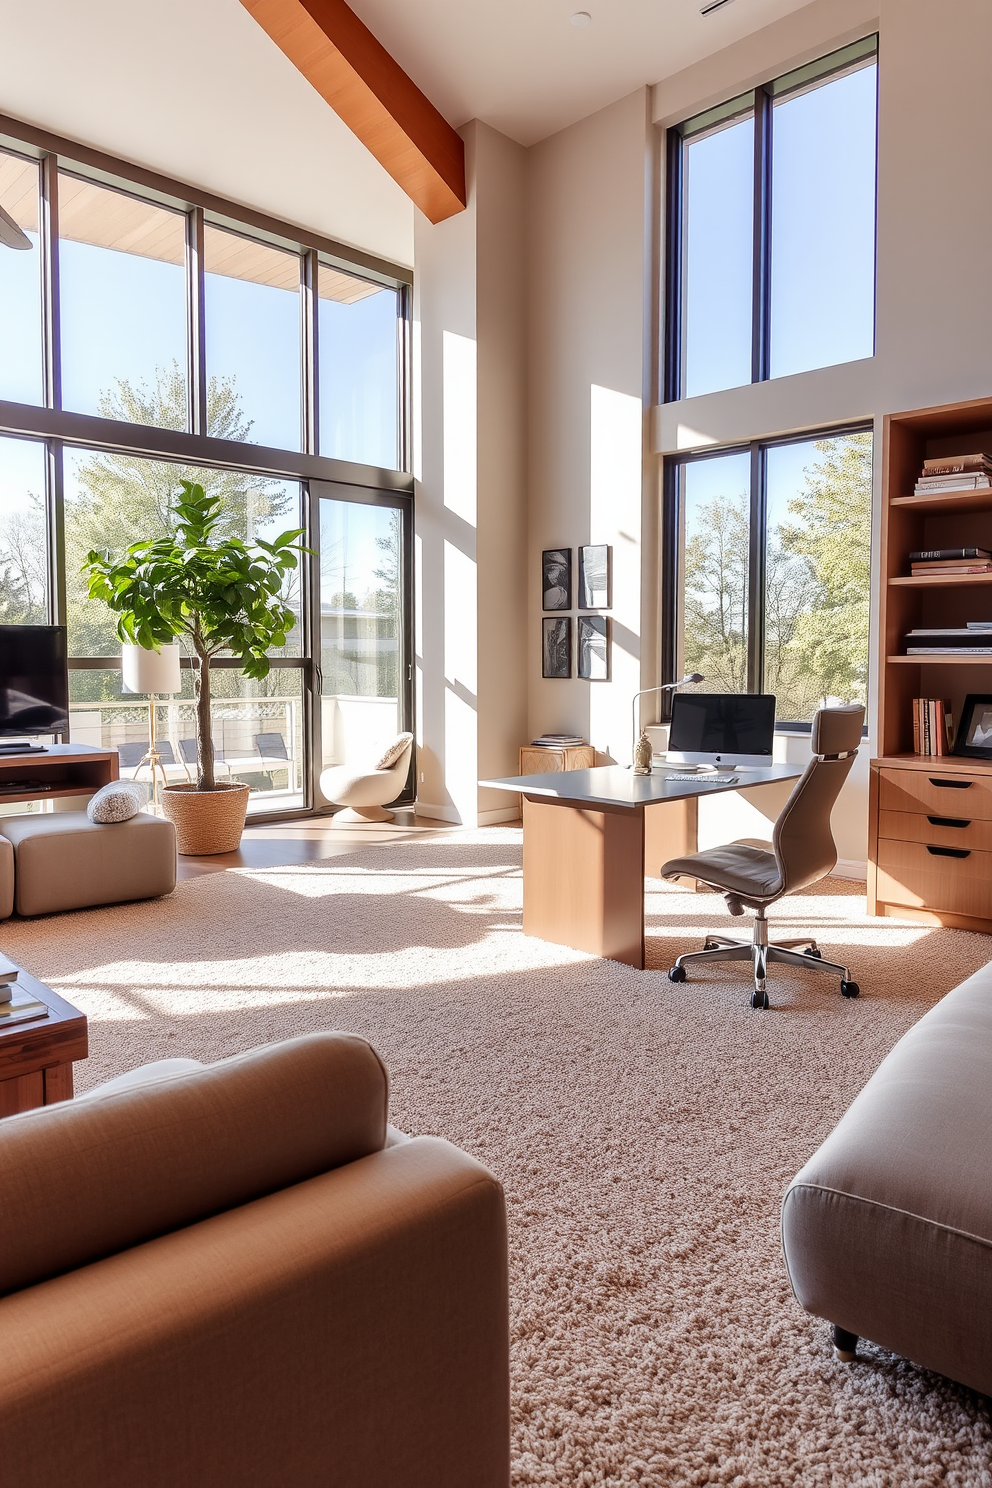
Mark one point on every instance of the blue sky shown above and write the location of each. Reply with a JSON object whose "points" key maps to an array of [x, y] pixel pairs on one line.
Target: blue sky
{"points": [[822, 240]]}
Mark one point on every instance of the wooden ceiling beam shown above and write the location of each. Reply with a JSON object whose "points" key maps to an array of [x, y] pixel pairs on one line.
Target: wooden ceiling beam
{"points": [[370, 92]]}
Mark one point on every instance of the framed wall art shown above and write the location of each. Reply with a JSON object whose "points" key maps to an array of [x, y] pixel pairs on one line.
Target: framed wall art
{"points": [[594, 648], [556, 647], [595, 578], [556, 578]]}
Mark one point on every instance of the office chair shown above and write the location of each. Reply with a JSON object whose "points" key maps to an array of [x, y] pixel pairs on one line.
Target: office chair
{"points": [[801, 852]]}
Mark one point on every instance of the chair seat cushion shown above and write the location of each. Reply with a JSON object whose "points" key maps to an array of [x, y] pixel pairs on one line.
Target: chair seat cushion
{"points": [[739, 868]]}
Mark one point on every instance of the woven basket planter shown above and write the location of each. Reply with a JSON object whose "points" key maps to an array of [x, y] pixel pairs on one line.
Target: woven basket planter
{"points": [[206, 821]]}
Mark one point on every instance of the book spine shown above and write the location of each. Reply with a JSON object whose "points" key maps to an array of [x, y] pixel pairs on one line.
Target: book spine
{"points": [[917, 741], [940, 728], [953, 465], [948, 555], [931, 732]]}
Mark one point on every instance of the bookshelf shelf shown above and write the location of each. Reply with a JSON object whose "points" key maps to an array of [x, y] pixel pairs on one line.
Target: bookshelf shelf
{"points": [[939, 581], [947, 501], [910, 792], [953, 661]]}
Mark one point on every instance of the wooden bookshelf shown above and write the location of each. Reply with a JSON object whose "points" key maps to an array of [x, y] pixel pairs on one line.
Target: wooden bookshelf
{"points": [[930, 817]]}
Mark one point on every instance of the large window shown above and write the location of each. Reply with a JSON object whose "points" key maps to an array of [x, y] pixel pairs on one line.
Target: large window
{"points": [[769, 562], [143, 324], [771, 241]]}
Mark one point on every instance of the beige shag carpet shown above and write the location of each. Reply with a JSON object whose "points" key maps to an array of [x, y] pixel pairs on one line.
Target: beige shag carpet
{"points": [[644, 1132]]}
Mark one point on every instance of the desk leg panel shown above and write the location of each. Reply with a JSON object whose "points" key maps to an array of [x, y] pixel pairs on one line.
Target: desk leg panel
{"points": [[584, 878]]}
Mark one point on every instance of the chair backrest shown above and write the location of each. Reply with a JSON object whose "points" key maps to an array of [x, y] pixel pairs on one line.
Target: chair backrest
{"points": [[802, 839], [271, 746], [131, 754], [187, 752]]}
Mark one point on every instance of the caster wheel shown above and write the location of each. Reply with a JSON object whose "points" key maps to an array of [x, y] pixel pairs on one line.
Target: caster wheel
{"points": [[849, 989], [759, 999], [677, 974], [812, 951]]}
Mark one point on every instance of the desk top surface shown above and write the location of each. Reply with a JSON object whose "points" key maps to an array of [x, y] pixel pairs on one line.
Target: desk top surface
{"points": [[614, 785]]}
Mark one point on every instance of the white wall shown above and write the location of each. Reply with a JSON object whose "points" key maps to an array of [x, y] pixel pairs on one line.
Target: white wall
{"points": [[588, 253], [471, 488]]}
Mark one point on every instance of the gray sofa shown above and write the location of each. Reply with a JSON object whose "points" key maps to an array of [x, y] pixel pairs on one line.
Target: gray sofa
{"points": [[887, 1230]]}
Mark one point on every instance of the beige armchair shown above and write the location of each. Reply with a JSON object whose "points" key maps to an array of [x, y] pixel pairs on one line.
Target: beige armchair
{"points": [[238, 1274], [362, 794]]}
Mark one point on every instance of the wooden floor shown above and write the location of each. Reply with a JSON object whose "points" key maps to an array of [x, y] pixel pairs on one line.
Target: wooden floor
{"points": [[308, 840]]}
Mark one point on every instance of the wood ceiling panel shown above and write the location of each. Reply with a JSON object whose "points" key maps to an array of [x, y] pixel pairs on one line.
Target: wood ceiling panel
{"points": [[110, 219], [19, 190]]}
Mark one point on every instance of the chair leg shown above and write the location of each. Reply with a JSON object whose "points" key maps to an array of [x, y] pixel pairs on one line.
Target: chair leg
{"points": [[730, 950], [777, 952]]}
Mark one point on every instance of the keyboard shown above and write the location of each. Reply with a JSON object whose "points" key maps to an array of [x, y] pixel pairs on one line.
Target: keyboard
{"points": [[704, 778]]}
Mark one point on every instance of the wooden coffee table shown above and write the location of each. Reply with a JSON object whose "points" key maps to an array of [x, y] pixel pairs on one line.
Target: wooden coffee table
{"points": [[36, 1058]]}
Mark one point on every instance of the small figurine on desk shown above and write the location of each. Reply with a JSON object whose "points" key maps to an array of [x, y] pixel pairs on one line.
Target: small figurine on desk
{"points": [[643, 753]]}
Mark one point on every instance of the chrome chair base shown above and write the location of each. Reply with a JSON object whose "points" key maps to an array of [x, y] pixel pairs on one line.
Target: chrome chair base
{"points": [[760, 953]]}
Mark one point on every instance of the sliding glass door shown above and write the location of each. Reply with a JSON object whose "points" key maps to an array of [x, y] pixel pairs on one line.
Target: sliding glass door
{"points": [[360, 623]]}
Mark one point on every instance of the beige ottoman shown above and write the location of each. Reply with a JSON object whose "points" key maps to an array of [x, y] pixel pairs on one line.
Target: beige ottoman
{"points": [[65, 861]]}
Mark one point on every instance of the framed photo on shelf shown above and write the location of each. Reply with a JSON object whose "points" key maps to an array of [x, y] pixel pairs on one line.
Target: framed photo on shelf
{"points": [[974, 735], [556, 647], [594, 648], [556, 578], [595, 578]]}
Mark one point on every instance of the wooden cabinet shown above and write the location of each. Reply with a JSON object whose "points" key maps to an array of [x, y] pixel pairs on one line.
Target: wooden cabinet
{"points": [[930, 827], [539, 760]]}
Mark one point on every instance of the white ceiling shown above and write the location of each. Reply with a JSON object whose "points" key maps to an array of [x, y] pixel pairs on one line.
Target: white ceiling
{"points": [[521, 67], [195, 89]]}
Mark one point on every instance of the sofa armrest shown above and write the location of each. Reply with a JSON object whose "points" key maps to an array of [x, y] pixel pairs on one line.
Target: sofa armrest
{"points": [[350, 1330]]}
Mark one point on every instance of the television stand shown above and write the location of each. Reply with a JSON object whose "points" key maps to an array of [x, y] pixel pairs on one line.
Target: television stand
{"points": [[59, 770]]}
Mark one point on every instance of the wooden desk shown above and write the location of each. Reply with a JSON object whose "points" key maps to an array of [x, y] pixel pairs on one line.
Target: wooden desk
{"points": [[589, 837], [36, 1058], [63, 770]]}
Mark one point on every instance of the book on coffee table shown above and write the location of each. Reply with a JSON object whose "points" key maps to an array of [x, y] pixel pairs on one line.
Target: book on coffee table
{"points": [[23, 1007]]}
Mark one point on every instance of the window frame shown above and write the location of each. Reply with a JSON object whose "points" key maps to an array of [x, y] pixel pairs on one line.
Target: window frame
{"points": [[55, 427], [671, 555], [760, 101]]}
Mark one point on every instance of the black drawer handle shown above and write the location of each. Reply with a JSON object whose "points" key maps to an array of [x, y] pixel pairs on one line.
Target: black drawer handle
{"points": [[950, 784], [947, 821], [949, 852]]}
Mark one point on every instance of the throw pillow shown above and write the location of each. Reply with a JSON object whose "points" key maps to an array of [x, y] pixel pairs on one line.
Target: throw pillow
{"points": [[392, 754], [116, 802]]}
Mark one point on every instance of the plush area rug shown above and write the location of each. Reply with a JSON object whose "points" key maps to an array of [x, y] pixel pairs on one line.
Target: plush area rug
{"points": [[644, 1133]]}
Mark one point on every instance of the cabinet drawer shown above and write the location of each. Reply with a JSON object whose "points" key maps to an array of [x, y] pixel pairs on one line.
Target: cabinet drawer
{"points": [[941, 793], [925, 877], [945, 830]]}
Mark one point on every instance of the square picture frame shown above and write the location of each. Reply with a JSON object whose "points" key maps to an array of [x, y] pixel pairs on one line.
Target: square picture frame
{"points": [[556, 579], [556, 647], [595, 577], [593, 648], [973, 739]]}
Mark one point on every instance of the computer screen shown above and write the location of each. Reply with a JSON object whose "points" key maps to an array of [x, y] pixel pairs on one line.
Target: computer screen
{"points": [[722, 728]]}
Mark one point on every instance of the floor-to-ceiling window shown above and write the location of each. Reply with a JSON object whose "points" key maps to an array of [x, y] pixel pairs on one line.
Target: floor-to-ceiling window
{"points": [[769, 565], [148, 335], [771, 228]]}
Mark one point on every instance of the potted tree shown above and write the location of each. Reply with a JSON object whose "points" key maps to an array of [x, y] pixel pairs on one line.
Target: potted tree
{"points": [[213, 595]]}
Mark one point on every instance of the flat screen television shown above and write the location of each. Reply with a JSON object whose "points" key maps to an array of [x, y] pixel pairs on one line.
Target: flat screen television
{"points": [[34, 680]]}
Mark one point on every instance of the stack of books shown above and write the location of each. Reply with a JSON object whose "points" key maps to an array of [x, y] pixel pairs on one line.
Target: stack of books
{"points": [[955, 473], [933, 727], [556, 741], [951, 561], [973, 639]]}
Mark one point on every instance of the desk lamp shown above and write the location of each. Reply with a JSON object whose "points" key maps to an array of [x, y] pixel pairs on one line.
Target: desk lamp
{"points": [[152, 672], [641, 751]]}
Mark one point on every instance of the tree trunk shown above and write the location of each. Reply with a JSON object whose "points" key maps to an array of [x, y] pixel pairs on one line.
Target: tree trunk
{"points": [[204, 737]]}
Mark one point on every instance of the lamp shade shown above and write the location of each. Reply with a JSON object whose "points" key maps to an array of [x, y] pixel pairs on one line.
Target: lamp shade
{"points": [[151, 671]]}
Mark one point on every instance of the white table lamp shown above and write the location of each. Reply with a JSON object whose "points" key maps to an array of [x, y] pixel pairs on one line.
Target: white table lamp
{"points": [[153, 673]]}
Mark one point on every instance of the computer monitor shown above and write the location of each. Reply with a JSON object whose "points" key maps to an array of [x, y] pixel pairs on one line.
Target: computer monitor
{"points": [[721, 728]]}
